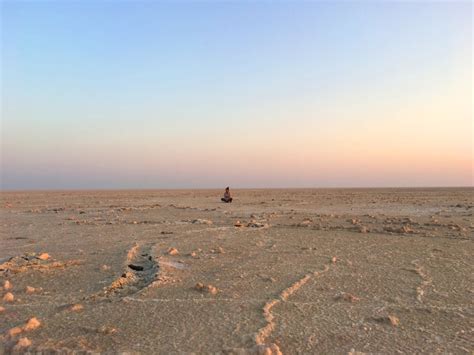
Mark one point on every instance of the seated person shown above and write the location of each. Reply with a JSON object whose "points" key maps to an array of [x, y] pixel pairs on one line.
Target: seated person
{"points": [[226, 197]]}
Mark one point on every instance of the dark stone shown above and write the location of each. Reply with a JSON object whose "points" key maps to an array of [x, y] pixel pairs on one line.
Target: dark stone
{"points": [[135, 267]]}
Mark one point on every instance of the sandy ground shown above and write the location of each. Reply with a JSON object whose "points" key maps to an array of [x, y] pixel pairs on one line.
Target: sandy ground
{"points": [[292, 271]]}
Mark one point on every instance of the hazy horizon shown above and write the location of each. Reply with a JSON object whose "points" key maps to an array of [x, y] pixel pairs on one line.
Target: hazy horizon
{"points": [[163, 95], [238, 188]]}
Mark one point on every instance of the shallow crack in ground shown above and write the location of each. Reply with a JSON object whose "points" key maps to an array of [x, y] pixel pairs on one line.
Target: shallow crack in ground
{"points": [[140, 270]]}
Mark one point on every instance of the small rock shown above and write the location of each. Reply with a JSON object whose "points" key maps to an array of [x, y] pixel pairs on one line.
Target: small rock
{"points": [[363, 229], [30, 289], [173, 251], [355, 352], [334, 260], [257, 225], [14, 331], [2, 309], [267, 349], [201, 221], [393, 320], [206, 288], [32, 324], [135, 267], [106, 330], [105, 267], [403, 230], [211, 289], [43, 256], [7, 285], [348, 297], [388, 319], [76, 307], [22, 343], [237, 224], [8, 297]]}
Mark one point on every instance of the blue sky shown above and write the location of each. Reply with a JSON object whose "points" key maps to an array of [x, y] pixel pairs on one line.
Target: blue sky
{"points": [[139, 94]]}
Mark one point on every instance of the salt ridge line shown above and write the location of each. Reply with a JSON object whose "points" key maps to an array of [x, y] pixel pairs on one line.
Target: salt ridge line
{"points": [[264, 332], [425, 283]]}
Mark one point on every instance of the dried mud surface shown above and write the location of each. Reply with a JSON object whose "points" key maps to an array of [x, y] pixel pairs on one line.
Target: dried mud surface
{"points": [[332, 271]]}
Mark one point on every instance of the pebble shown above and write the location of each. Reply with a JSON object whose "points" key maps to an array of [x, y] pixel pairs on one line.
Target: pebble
{"points": [[136, 267], [349, 297], [8, 297], [32, 324], [30, 289], [268, 349], [2, 309], [22, 343], [211, 289], [43, 256], [7, 285], [106, 330], [206, 288], [76, 307], [173, 251], [388, 319], [393, 320], [201, 221], [257, 225], [14, 331]]}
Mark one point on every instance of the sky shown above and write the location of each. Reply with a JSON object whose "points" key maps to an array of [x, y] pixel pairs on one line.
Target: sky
{"points": [[191, 94]]}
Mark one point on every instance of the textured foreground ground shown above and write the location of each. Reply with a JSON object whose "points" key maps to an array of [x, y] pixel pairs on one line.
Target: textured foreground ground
{"points": [[303, 271]]}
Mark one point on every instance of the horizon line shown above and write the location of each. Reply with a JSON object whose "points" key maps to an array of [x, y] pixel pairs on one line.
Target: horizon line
{"points": [[237, 188]]}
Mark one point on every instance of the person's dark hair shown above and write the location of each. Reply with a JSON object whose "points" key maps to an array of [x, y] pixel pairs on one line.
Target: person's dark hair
{"points": [[227, 188]]}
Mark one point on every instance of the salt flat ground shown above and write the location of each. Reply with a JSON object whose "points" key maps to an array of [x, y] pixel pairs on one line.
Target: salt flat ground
{"points": [[291, 271]]}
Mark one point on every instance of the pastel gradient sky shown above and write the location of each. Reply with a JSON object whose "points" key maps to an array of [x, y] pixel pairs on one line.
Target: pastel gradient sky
{"points": [[189, 94]]}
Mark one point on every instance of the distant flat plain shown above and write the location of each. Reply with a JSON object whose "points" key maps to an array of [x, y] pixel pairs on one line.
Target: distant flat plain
{"points": [[277, 271]]}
